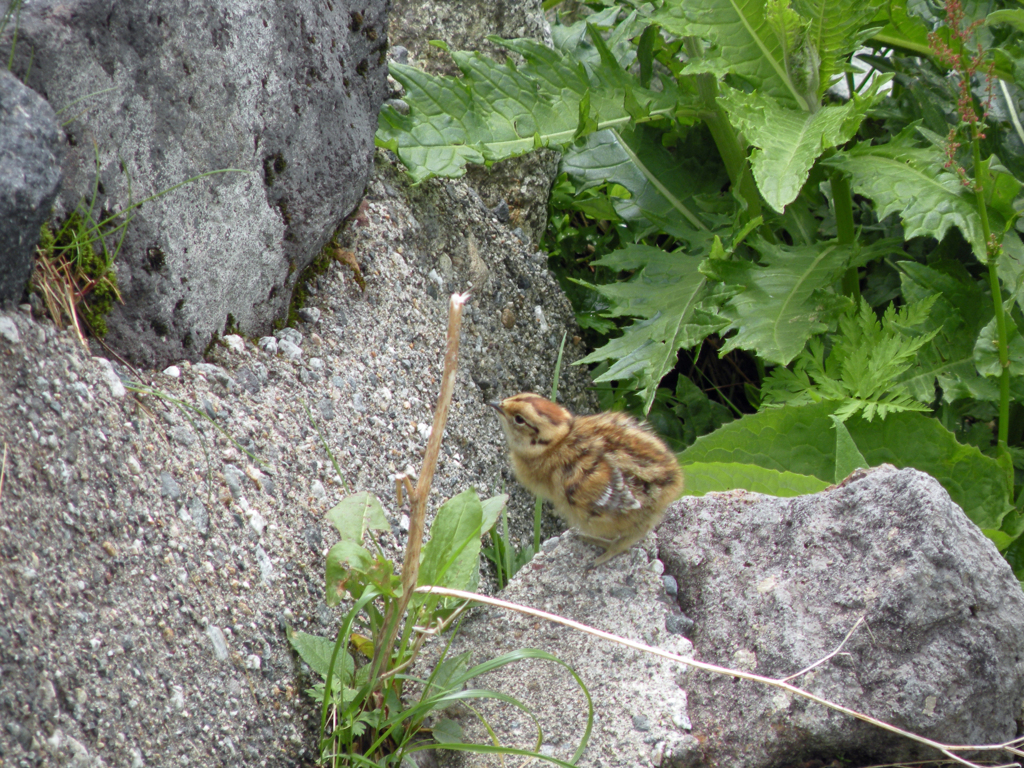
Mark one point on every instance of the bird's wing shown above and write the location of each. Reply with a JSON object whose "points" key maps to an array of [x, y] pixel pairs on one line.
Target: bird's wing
{"points": [[617, 496]]}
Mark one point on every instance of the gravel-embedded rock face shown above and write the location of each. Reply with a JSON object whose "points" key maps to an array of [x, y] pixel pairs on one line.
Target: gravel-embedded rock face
{"points": [[774, 585], [154, 92], [150, 563], [30, 154], [640, 708]]}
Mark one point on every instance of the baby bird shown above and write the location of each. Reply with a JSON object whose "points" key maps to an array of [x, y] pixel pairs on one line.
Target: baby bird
{"points": [[608, 476]]}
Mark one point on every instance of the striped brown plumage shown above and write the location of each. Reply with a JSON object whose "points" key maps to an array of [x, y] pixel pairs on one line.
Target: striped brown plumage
{"points": [[607, 475]]}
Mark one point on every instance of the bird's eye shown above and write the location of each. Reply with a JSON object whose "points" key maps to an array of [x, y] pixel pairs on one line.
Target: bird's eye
{"points": [[519, 419]]}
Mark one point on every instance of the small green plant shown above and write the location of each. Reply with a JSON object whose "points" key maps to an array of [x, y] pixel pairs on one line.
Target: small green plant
{"points": [[373, 711]]}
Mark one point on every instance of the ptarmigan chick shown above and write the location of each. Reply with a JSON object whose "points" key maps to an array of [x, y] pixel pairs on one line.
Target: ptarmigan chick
{"points": [[608, 476]]}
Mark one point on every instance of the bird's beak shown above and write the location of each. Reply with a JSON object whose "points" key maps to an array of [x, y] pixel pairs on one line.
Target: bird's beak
{"points": [[497, 406]]}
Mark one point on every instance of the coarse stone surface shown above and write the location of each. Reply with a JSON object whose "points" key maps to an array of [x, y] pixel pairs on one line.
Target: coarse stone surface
{"points": [[158, 529], [30, 155], [774, 585], [283, 96], [640, 709]]}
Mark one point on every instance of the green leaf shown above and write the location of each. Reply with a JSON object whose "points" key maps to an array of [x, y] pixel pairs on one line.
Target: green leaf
{"points": [[316, 651], [674, 297], [744, 41], [451, 556], [350, 568], [491, 509], [447, 732], [863, 367], [986, 349], [786, 301], [662, 181], [792, 439], [912, 181], [356, 514], [1012, 16], [848, 457], [702, 477], [836, 28], [974, 481], [800, 439], [496, 111], [788, 141]]}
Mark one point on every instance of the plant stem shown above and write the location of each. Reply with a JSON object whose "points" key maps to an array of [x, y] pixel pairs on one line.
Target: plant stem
{"points": [[734, 156], [994, 250], [842, 200]]}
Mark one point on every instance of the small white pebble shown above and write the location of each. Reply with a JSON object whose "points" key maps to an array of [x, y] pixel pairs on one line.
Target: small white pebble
{"points": [[234, 342], [173, 371], [538, 314]]}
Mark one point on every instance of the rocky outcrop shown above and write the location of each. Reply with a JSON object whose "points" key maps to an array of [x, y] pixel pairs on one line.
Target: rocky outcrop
{"points": [[30, 153], [774, 585], [154, 92], [770, 586], [154, 544]]}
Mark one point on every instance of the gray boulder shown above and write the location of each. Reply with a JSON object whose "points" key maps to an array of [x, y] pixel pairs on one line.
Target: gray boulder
{"points": [[774, 585], [156, 92], [30, 155]]}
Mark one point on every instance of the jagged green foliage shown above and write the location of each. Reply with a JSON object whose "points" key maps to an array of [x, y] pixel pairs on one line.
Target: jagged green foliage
{"points": [[862, 369], [862, 249]]}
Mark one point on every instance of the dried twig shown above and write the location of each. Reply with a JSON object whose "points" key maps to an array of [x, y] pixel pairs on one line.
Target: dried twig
{"points": [[821, 661], [3, 472], [1013, 747], [418, 512]]}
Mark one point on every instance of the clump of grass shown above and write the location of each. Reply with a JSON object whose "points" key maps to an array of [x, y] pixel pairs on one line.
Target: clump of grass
{"points": [[75, 273]]}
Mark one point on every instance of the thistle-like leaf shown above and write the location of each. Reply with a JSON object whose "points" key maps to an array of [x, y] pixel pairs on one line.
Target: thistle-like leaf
{"points": [[902, 177], [786, 301], [496, 111], [677, 304], [789, 140]]}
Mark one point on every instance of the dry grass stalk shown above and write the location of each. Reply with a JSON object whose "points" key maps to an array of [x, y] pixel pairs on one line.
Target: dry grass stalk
{"points": [[418, 512], [1013, 746]]}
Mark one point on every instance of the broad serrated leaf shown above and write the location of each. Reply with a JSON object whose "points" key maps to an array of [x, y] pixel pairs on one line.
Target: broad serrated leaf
{"points": [[354, 515], [836, 28], [674, 298], [662, 182], [788, 141], [957, 316], [785, 301], [496, 111], [744, 40], [702, 478], [912, 181]]}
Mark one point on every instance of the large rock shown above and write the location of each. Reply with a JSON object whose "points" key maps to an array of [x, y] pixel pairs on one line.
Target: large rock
{"points": [[774, 585], [154, 92], [30, 152]]}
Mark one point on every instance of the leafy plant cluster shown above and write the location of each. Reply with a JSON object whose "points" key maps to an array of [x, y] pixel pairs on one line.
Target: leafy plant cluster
{"points": [[829, 191], [369, 715]]}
